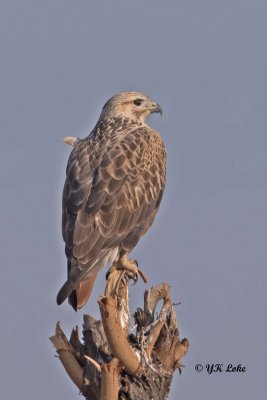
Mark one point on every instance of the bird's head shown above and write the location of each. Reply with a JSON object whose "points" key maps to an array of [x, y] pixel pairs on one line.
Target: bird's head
{"points": [[132, 105]]}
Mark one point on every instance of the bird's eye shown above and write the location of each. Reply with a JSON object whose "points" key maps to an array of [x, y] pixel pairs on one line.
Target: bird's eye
{"points": [[138, 102]]}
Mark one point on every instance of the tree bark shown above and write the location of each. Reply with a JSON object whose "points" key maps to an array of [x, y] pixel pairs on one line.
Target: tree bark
{"points": [[113, 363]]}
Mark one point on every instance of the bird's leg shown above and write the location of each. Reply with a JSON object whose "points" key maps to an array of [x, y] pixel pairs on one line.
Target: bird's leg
{"points": [[129, 266]]}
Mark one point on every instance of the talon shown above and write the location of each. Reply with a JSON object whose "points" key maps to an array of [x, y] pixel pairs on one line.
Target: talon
{"points": [[107, 274], [135, 278], [131, 268]]}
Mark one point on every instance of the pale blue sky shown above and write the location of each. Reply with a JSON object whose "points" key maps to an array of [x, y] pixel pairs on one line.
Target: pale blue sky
{"points": [[205, 62]]}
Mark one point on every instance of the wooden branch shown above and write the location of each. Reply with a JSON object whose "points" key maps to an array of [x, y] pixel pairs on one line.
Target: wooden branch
{"points": [[156, 329], [153, 296], [115, 315], [110, 380], [67, 357], [98, 367], [180, 350], [112, 363], [115, 334]]}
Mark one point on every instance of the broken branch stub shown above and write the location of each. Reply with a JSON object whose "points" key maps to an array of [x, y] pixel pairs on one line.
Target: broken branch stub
{"points": [[67, 357], [109, 382]]}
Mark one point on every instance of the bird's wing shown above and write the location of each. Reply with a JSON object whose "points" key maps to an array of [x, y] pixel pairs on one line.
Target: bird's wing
{"points": [[111, 195], [78, 183], [118, 201]]}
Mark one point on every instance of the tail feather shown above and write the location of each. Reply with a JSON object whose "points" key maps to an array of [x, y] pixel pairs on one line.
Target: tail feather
{"points": [[79, 293], [80, 282], [65, 292], [79, 297]]}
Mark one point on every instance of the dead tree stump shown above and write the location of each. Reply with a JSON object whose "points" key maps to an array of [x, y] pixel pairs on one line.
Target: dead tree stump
{"points": [[112, 363]]}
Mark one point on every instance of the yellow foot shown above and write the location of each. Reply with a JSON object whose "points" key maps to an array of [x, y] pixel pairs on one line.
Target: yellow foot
{"points": [[130, 267]]}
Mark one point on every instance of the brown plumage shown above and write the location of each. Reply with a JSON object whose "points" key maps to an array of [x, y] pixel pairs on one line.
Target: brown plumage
{"points": [[114, 184]]}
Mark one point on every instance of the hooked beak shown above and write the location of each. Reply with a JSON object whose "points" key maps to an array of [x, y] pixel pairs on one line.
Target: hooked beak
{"points": [[156, 108]]}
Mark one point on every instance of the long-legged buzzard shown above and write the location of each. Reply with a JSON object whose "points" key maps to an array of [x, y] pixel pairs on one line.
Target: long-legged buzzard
{"points": [[114, 184]]}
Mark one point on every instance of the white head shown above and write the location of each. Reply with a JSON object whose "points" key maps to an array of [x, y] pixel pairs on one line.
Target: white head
{"points": [[133, 105]]}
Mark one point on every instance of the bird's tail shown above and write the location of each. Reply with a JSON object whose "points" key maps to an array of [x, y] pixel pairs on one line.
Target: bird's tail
{"points": [[80, 283], [79, 297]]}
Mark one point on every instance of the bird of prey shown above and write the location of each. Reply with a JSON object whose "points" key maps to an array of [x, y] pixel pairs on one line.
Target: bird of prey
{"points": [[115, 180]]}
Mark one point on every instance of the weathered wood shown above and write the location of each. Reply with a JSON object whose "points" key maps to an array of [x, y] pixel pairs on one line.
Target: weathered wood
{"points": [[112, 363]]}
